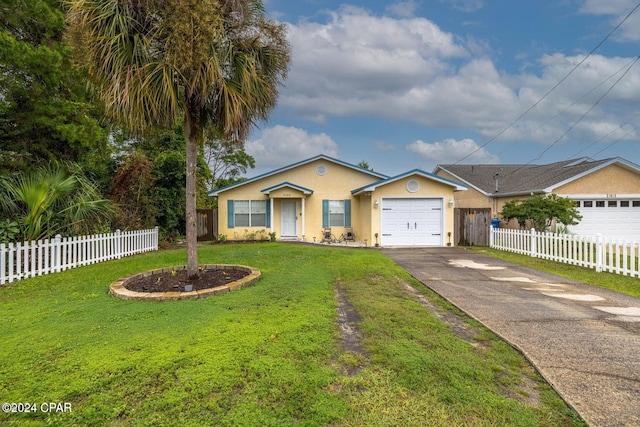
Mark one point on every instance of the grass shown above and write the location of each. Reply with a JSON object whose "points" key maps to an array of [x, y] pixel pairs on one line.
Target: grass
{"points": [[267, 355], [616, 282]]}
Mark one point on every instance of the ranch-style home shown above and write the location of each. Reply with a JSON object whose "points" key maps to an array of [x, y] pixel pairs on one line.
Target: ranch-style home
{"points": [[606, 192], [323, 196]]}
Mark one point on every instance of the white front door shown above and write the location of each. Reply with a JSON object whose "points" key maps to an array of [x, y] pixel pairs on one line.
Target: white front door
{"points": [[288, 218], [411, 222]]}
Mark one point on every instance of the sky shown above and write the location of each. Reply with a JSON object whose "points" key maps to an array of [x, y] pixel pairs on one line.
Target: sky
{"points": [[417, 83]]}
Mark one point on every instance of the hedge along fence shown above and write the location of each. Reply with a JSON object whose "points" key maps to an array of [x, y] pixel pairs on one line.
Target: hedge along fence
{"points": [[29, 259], [602, 254]]}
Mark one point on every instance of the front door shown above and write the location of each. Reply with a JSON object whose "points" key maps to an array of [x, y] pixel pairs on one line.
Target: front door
{"points": [[288, 218]]}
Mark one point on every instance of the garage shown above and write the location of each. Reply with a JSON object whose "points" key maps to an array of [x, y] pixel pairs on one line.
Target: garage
{"points": [[411, 222], [617, 219]]}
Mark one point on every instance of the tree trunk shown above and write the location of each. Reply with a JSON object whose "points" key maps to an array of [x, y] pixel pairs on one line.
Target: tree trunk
{"points": [[192, 132]]}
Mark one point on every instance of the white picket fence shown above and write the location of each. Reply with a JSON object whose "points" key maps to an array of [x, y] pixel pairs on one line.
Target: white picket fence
{"points": [[29, 259], [596, 252]]}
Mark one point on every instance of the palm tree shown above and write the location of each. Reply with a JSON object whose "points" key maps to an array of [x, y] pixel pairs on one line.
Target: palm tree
{"points": [[211, 63], [49, 200]]}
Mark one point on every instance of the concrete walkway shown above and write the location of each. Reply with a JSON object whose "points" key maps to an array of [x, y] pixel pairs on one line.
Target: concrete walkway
{"points": [[583, 339]]}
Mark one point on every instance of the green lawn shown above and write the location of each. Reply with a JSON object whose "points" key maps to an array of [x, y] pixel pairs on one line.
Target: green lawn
{"points": [[266, 355], [616, 282]]}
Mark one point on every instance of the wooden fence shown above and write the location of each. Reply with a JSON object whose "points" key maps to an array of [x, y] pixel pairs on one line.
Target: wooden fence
{"points": [[471, 226], [29, 259], [602, 254], [207, 224]]}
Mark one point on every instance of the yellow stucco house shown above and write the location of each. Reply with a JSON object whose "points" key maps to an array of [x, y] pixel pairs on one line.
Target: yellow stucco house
{"points": [[606, 192], [303, 200]]}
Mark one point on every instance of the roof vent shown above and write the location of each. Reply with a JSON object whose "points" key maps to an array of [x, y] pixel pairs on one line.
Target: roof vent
{"points": [[496, 177]]}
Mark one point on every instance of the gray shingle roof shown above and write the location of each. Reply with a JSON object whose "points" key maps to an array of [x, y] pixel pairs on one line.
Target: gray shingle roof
{"points": [[521, 179]]}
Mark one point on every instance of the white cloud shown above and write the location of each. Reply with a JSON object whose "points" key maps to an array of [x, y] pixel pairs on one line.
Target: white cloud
{"points": [[465, 5], [383, 146], [358, 64], [617, 10], [282, 145], [356, 59], [450, 151], [404, 9]]}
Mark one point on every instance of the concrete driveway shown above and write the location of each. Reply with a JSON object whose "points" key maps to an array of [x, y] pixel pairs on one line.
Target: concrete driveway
{"points": [[583, 339]]}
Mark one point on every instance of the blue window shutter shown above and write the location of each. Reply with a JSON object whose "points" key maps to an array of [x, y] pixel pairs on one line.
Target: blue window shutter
{"points": [[268, 215], [325, 213], [230, 218], [347, 213]]}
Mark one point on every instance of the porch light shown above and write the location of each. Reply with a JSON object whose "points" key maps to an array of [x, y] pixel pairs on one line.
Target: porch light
{"points": [[451, 203], [375, 204]]}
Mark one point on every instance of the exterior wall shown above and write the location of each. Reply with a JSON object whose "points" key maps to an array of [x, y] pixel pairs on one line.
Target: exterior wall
{"points": [[470, 198], [612, 180], [398, 189], [335, 184], [362, 227]]}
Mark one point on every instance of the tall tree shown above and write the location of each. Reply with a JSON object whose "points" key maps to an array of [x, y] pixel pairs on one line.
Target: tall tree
{"points": [[227, 162], [215, 63], [45, 111]]}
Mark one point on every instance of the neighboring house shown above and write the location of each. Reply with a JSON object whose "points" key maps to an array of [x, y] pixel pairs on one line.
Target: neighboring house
{"points": [[297, 202], [606, 192]]}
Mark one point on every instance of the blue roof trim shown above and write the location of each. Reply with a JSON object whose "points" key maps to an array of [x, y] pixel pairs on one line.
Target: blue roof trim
{"points": [[373, 186], [287, 184], [293, 165]]}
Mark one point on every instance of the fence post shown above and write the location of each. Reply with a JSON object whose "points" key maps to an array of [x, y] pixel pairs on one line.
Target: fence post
{"points": [[492, 237], [599, 252], [118, 244], [3, 265], [533, 244], [156, 238], [57, 255]]}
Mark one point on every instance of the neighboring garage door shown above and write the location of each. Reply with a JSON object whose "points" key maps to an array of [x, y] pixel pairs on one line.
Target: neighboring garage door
{"points": [[619, 219], [411, 222]]}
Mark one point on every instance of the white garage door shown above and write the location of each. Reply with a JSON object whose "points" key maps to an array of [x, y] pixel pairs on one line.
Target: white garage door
{"points": [[618, 219], [411, 222]]}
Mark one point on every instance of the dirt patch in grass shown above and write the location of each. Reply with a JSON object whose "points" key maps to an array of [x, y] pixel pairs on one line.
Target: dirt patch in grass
{"points": [[456, 322], [355, 356], [176, 280], [525, 391]]}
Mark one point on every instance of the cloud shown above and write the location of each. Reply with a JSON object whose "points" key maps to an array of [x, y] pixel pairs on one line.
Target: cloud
{"points": [[450, 151], [407, 69], [404, 9], [344, 66], [357, 64], [282, 145], [617, 10], [465, 5], [383, 146]]}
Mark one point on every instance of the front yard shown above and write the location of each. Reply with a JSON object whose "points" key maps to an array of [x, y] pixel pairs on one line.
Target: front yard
{"points": [[267, 355]]}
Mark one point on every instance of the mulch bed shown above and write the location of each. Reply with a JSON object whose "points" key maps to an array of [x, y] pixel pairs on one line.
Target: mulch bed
{"points": [[176, 281]]}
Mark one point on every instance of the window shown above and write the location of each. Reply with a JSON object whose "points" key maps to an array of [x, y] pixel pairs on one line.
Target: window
{"points": [[612, 203], [599, 203], [336, 213], [588, 204], [624, 203], [248, 213], [636, 203]]}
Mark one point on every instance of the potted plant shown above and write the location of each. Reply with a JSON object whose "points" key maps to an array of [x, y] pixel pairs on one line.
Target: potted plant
{"points": [[272, 236]]}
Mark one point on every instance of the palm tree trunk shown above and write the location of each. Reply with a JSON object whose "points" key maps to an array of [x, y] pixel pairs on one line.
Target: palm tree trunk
{"points": [[193, 134]]}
